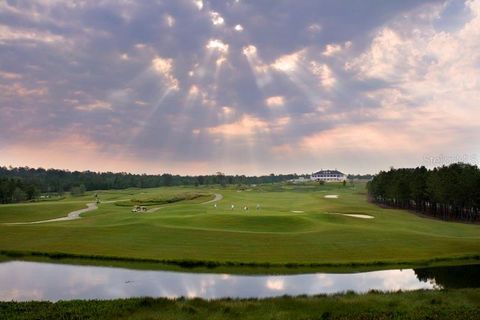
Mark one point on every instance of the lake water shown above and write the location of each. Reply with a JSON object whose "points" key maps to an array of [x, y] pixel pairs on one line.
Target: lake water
{"points": [[22, 281]]}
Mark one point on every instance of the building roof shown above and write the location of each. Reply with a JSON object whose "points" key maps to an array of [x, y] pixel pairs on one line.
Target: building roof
{"points": [[329, 172]]}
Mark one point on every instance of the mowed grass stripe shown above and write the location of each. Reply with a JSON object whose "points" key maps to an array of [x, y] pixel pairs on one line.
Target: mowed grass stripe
{"points": [[37, 211]]}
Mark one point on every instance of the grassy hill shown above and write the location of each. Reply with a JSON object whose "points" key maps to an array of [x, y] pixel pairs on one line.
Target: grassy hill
{"points": [[296, 225]]}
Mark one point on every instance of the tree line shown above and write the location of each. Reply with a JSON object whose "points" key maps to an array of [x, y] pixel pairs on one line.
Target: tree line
{"points": [[448, 192], [24, 183]]}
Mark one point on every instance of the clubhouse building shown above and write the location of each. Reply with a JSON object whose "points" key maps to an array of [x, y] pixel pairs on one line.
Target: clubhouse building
{"points": [[328, 176]]}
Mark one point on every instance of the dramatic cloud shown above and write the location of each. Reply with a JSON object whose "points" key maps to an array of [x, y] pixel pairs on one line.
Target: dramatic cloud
{"points": [[251, 87]]}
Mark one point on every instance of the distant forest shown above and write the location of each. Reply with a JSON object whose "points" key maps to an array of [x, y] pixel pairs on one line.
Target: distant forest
{"points": [[449, 192], [23, 184]]}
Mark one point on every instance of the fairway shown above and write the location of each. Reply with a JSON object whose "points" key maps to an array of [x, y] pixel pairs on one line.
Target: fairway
{"points": [[284, 224]]}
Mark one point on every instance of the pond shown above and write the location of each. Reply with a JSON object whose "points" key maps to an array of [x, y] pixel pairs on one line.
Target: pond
{"points": [[23, 281]]}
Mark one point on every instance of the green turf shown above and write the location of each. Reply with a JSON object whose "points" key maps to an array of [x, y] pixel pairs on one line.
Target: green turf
{"points": [[190, 230], [37, 211], [462, 304]]}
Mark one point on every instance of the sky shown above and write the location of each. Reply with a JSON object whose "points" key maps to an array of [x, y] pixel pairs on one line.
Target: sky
{"points": [[242, 87]]}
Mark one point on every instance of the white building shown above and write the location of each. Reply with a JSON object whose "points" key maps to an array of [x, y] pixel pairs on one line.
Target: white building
{"points": [[328, 175]]}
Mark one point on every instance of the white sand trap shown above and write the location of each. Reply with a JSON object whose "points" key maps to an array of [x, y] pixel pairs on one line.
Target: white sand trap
{"points": [[298, 211], [331, 196], [353, 215], [361, 216]]}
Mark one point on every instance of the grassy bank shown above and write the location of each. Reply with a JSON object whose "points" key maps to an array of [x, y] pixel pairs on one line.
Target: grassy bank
{"points": [[295, 227], [229, 266], [452, 304]]}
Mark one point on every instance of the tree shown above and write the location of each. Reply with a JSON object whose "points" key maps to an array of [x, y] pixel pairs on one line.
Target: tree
{"points": [[32, 192], [19, 195], [221, 178], [78, 191], [448, 192]]}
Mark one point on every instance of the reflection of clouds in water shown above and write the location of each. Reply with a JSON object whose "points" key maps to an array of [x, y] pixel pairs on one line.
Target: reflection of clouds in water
{"points": [[205, 285], [41, 281], [401, 279], [80, 284], [324, 279], [17, 294], [387, 280], [275, 284]]}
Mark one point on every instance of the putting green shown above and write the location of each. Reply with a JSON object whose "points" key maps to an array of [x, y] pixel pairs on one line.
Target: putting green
{"points": [[293, 224]]}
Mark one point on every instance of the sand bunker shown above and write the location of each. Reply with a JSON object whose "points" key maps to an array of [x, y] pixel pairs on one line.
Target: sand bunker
{"points": [[353, 215], [298, 211], [331, 196], [361, 216]]}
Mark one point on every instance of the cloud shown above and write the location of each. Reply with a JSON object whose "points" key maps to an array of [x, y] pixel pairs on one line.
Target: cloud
{"points": [[95, 105], [217, 44], [17, 90], [10, 75], [331, 49], [240, 85], [199, 4], [275, 101], [425, 71], [287, 63], [314, 28], [164, 68], [324, 74], [169, 20], [216, 18], [20, 34], [248, 126]]}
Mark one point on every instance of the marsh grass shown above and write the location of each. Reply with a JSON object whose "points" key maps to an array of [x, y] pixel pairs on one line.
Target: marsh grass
{"points": [[461, 304]]}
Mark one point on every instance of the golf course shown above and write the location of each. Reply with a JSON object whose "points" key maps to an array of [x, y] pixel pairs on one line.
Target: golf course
{"points": [[287, 228]]}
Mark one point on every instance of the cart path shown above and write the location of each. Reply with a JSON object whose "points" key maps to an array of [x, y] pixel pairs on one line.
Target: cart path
{"points": [[218, 197], [71, 216]]}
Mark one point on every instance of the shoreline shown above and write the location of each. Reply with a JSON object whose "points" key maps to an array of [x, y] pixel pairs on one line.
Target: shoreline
{"points": [[232, 267], [418, 304]]}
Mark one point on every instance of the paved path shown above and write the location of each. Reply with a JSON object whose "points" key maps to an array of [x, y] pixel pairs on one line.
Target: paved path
{"points": [[71, 216], [218, 197]]}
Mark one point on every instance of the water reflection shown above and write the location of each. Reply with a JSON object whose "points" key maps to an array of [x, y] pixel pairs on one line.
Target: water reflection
{"points": [[452, 277], [20, 280]]}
